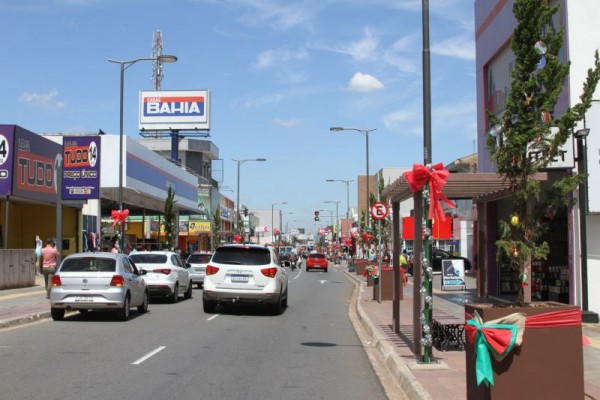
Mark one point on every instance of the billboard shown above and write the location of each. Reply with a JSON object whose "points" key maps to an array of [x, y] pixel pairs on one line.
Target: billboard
{"points": [[6, 157], [81, 167], [35, 159], [174, 110]]}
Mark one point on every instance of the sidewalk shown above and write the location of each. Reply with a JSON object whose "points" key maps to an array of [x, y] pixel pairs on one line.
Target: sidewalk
{"points": [[446, 379], [21, 306]]}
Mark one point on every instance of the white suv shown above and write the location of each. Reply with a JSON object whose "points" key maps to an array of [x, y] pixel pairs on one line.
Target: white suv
{"points": [[245, 273], [166, 274]]}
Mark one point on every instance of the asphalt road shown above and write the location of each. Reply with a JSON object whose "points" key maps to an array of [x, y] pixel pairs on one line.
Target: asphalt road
{"points": [[176, 351]]}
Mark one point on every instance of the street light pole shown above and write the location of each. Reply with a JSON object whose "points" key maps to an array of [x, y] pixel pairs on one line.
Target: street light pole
{"points": [[336, 215], [272, 227], [347, 182], [124, 65], [366, 133], [237, 204]]}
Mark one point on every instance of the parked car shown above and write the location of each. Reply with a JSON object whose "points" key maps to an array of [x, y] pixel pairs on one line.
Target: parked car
{"points": [[317, 261], [436, 259], [198, 262], [98, 281], [167, 274], [245, 274]]}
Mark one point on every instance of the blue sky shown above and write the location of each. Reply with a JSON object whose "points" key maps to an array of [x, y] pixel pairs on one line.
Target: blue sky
{"points": [[281, 73]]}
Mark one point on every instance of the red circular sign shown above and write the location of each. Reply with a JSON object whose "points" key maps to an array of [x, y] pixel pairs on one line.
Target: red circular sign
{"points": [[379, 210]]}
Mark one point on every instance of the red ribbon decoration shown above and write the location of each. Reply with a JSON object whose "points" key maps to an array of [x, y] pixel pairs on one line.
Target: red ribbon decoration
{"points": [[437, 178], [119, 216]]}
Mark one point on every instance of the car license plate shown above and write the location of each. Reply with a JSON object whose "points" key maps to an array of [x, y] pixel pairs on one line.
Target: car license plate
{"points": [[239, 278], [84, 299]]}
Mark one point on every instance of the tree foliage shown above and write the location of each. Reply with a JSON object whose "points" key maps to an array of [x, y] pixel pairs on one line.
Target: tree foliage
{"points": [[529, 125], [170, 222]]}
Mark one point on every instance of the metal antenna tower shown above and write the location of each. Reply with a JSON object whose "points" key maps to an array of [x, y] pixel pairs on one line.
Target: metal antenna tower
{"points": [[157, 68]]}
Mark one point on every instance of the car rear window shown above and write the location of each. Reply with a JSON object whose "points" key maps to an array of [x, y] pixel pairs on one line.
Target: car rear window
{"points": [[88, 264], [242, 255], [317, 255], [199, 258], [149, 258]]}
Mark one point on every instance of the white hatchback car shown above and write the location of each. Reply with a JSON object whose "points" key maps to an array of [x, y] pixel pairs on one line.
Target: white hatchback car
{"points": [[198, 261], [98, 281], [166, 274], [245, 274]]}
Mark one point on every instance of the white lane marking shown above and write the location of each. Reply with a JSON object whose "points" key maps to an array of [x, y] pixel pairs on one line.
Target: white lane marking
{"points": [[147, 356], [213, 317], [323, 281], [298, 275]]}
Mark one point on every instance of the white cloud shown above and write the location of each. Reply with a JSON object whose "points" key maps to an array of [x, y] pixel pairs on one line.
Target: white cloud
{"points": [[270, 58], [289, 123], [462, 47], [363, 49], [403, 121], [404, 54], [43, 100], [364, 83]]}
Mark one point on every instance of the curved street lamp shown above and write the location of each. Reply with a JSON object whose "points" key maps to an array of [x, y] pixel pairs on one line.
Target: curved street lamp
{"points": [[124, 65], [237, 204], [347, 182], [366, 133], [272, 228]]}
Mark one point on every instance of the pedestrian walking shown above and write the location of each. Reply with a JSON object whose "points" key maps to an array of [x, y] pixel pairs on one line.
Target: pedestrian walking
{"points": [[115, 248], [38, 255], [49, 258]]}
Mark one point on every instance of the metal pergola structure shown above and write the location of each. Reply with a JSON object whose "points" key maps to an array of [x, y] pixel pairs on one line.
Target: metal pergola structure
{"points": [[482, 188]]}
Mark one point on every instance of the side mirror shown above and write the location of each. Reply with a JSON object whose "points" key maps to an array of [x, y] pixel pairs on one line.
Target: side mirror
{"points": [[143, 272], [188, 265]]}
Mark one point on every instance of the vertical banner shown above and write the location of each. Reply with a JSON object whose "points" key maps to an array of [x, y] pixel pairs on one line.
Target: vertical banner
{"points": [[81, 168], [6, 158]]}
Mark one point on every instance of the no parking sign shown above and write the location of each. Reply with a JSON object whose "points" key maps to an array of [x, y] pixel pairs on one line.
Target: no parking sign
{"points": [[379, 210]]}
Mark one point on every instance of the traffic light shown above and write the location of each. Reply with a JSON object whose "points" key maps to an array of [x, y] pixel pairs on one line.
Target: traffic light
{"points": [[245, 212], [316, 215]]}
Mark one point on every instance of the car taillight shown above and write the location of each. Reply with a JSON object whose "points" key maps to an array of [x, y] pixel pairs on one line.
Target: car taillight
{"points": [[211, 270], [56, 281], [117, 280], [270, 272], [166, 271]]}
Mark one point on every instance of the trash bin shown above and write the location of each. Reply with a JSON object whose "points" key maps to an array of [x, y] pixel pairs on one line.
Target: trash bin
{"points": [[386, 280], [360, 266]]}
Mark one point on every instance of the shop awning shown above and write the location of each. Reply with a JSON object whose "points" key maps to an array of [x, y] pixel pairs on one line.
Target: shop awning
{"points": [[480, 186]]}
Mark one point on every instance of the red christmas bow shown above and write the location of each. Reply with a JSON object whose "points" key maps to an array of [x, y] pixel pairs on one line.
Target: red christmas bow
{"points": [[437, 178], [119, 216], [367, 237], [237, 238]]}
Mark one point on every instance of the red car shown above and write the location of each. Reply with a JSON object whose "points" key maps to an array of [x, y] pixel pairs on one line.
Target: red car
{"points": [[316, 260]]}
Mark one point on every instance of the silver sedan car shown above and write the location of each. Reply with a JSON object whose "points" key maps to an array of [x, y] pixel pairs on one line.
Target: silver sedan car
{"points": [[98, 281]]}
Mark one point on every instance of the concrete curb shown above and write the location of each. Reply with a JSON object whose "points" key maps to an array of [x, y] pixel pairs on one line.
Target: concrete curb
{"points": [[395, 365], [26, 319]]}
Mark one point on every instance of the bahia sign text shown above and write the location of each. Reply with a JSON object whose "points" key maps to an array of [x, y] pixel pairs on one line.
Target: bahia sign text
{"points": [[180, 110]]}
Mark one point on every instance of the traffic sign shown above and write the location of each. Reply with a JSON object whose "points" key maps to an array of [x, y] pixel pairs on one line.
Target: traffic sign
{"points": [[379, 210]]}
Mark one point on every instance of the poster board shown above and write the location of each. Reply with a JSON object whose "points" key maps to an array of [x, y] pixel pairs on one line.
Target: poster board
{"points": [[453, 274]]}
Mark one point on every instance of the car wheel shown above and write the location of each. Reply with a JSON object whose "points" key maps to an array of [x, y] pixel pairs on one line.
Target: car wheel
{"points": [[199, 286], [325, 270], [277, 308], [175, 295], [143, 308], [188, 292], [123, 313], [285, 300], [57, 314], [208, 306]]}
